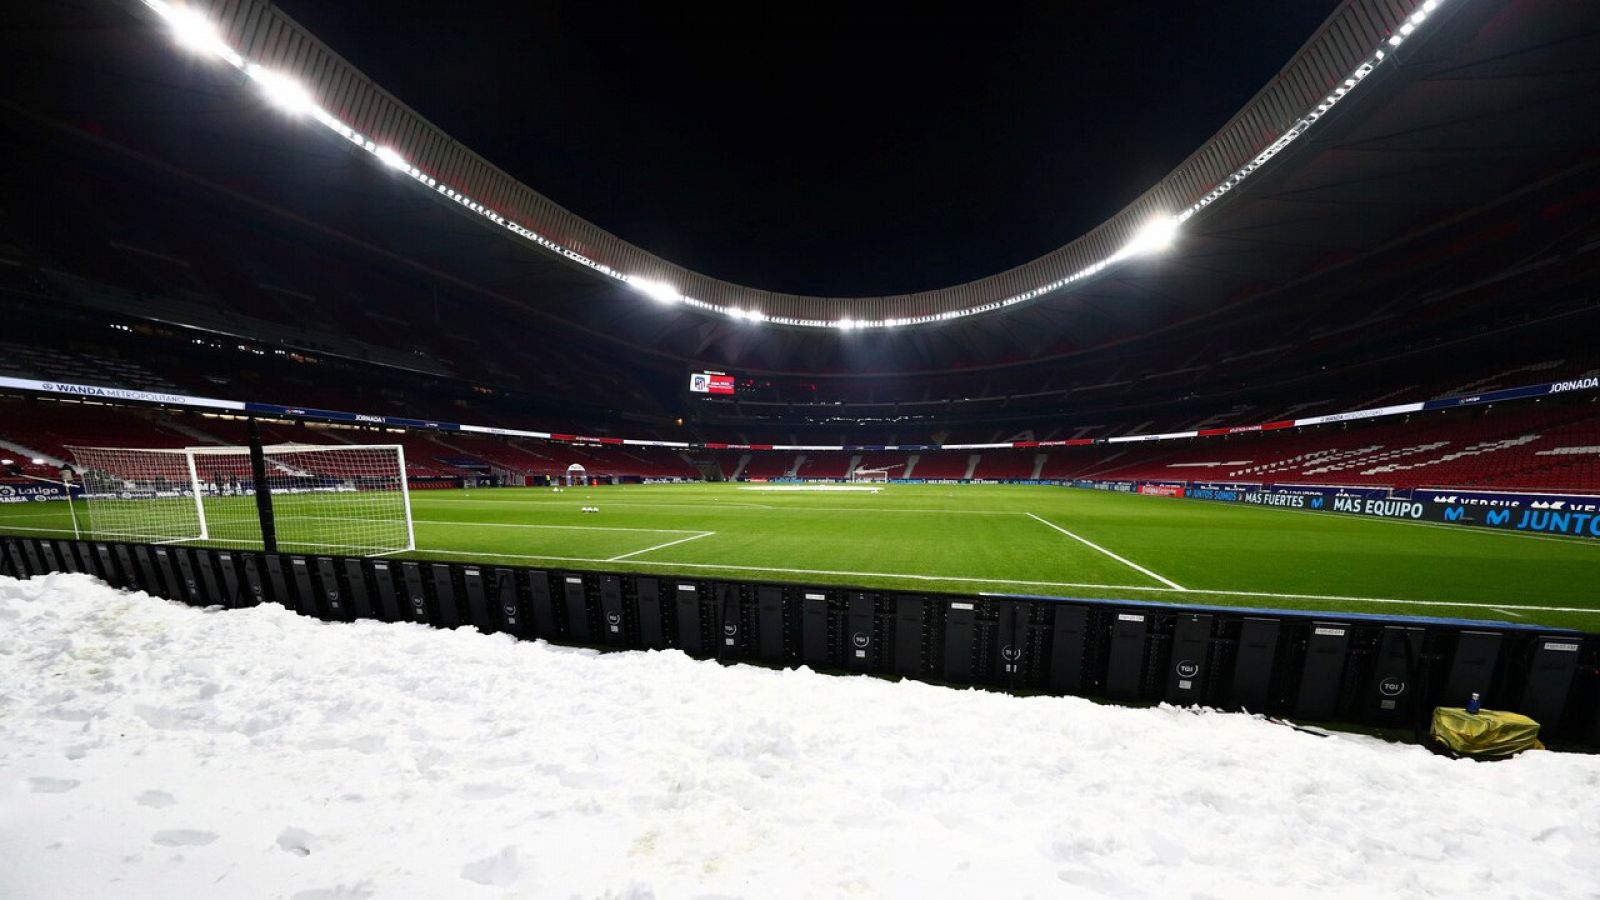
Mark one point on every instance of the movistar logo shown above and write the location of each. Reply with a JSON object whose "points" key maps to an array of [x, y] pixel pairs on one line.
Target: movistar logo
{"points": [[1455, 513], [1498, 516]]}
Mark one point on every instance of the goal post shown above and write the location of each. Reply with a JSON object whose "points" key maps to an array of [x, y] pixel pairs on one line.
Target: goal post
{"points": [[873, 476], [330, 498]]}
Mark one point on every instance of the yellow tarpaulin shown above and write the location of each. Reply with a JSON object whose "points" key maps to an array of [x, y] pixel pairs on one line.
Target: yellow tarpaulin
{"points": [[1486, 733]]}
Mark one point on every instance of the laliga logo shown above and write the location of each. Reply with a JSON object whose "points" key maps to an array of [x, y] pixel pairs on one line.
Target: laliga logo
{"points": [[7, 490]]}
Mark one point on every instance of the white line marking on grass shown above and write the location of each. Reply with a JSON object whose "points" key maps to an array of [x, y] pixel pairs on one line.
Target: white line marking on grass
{"points": [[1068, 584], [503, 525], [692, 537], [1091, 544]]}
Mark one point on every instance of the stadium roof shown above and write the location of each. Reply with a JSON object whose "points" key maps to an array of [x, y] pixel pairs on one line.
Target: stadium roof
{"points": [[1440, 117]]}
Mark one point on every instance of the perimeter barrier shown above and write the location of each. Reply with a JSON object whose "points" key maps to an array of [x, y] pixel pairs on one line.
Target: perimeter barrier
{"points": [[1382, 672]]}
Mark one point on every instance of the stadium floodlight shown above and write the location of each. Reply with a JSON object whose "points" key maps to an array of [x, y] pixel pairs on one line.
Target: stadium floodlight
{"points": [[282, 91], [37, 461], [391, 158], [7, 462], [1156, 235], [193, 31], [655, 290]]}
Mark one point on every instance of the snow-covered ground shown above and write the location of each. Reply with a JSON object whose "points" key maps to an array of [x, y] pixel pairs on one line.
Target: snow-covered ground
{"points": [[152, 750]]}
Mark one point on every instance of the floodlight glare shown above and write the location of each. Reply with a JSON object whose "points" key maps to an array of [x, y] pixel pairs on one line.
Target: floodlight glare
{"points": [[193, 31], [391, 158], [282, 91], [656, 290], [37, 461], [1156, 236]]}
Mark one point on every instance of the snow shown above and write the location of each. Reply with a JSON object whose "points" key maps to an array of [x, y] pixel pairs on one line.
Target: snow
{"points": [[148, 749]]}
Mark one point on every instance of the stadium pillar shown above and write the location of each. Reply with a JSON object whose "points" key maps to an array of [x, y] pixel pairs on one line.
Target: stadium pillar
{"points": [[258, 474]]}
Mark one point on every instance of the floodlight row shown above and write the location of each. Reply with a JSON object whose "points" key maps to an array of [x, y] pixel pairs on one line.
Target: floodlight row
{"points": [[191, 29]]}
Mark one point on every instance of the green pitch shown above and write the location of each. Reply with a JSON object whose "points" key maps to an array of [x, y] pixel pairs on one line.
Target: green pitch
{"points": [[994, 538]]}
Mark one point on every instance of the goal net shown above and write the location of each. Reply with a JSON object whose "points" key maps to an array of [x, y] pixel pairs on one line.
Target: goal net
{"points": [[341, 498], [879, 476]]}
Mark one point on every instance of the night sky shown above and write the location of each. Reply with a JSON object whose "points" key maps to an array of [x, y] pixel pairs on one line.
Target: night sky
{"points": [[849, 152]]}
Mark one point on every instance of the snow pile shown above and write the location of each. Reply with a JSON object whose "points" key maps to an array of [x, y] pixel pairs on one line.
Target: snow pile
{"points": [[152, 750]]}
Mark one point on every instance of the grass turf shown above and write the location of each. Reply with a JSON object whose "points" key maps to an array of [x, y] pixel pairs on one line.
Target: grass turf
{"points": [[986, 538]]}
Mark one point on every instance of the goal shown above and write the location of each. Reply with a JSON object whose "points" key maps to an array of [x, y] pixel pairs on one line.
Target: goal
{"points": [[343, 498], [876, 476]]}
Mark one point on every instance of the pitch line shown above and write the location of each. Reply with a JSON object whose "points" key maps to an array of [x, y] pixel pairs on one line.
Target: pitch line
{"points": [[692, 537], [1127, 562], [502, 525], [1069, 584]]}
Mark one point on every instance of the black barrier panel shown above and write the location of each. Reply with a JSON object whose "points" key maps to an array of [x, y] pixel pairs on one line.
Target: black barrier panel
{"points": [[1068, 628], [1253, 663], [1472, 669], [613, 612], [1125, 665], [478, 611], [231, 596], [33, 561], [107, 566], [305, 594], [392, 607], [125, 564], [57, 558], [1189, 665], [335, 599], [1555, 661], [1326, 648], [167, 566], [729, 621], [205, 565], [1011, 641], [447, 604], [508, 603], [814, 628], [360, 595], [9, 564], [862, 648], [575, 601], [277, 586], [254, 587], [541, 609], [149, 574], [647, 597], [691, 637], [415, 596], [769, 623], [1391, 698], [960, 634], [88, 562], [188, 577], [909, 624]]}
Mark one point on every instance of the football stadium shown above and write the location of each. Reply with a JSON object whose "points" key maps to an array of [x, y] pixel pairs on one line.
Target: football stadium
{"points": [[870, 458]]}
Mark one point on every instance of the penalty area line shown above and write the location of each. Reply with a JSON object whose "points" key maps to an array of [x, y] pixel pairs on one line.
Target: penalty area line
{"points": [[1092, 545], [692, 537]]}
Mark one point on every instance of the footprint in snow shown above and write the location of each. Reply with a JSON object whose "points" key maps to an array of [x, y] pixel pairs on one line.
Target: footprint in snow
{"points": [[156, 799], [499, 870], [184, 837], [52, 785]]}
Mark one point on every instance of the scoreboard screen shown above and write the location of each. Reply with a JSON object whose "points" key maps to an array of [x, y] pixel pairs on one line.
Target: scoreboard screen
{"points": [[710, 383]]}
